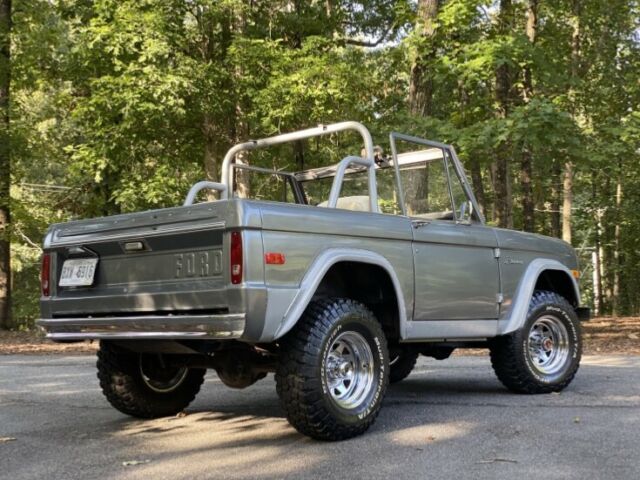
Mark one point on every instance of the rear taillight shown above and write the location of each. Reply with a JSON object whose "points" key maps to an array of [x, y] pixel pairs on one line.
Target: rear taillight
{"points": [[45, 274], [236, 257]]}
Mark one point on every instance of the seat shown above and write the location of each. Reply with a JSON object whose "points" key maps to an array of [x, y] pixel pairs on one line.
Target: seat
{"points": [[357, 203]]}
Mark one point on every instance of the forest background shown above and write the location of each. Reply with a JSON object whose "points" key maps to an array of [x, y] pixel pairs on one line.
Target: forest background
{"points": [[110, 106]]}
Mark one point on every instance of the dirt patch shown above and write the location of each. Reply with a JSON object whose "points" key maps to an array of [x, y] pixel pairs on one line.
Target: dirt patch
{"points": [[605, 335], [612, 335], [34, 342]]}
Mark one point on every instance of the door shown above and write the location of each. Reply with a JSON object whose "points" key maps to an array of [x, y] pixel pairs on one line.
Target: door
{"points": [[456, 276], [455, 264]]}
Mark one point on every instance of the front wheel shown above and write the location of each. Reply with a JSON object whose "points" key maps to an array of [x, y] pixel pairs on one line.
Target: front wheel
{"points": [[145, 385], [333, 370], [544, 355]]}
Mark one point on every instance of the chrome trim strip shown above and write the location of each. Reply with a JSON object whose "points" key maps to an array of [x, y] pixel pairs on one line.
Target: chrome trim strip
{"points": [[227, 326], [74, 240], [127, 336]]}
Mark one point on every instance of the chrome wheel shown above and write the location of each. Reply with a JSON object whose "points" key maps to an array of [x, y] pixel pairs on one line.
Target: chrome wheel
{"points": [[158, 376], [349, 370], [548, 345]]}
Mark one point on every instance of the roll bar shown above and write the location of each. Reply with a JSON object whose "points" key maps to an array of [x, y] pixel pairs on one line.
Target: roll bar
{"points": [[318, 131], [337, 181], [226, 185], [193, 191]]}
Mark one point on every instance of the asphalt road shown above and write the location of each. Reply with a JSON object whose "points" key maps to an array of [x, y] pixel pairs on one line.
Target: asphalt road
{"points": [[449, 419]]}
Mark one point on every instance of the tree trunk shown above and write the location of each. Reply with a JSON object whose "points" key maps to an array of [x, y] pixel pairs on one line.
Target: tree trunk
{"points": [[531, 32], [241, 126], [575, 73], [526, 163], [597, 249], [243, 187], [211, 158], [607, 219], [298, 148], [504, 198], [526, 176], [504, 201], [616, 246], [213, 48], [421, 80], [567, 201], [5, 165], [556, 192]]}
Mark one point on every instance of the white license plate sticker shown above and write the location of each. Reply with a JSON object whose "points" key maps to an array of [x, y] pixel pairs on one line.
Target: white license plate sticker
{"points": [[78, 272]]}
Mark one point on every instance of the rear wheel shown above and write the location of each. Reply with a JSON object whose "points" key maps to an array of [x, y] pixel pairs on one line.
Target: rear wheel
{"points": [[544, 355], [401, 364], [333, 370], [145, 385]]}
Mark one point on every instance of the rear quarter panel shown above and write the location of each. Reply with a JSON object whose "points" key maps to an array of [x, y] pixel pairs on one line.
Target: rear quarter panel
{"points": [[303, 232]]}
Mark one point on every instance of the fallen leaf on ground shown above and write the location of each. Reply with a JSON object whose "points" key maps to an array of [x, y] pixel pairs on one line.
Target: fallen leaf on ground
{"points": [[498, 460], [131, 463], [6, 439], [633, 336]]}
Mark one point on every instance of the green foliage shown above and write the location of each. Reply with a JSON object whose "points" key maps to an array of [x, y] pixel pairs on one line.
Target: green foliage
{"points": [[123, 103]]}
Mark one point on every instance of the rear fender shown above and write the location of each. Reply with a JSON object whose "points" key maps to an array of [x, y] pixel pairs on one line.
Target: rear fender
{"points": [[318, 270]]}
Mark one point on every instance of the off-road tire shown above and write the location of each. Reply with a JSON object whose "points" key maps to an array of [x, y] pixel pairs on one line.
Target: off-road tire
{"points": [[402, 365], [122, 383], [510, 357], [301, 375]]}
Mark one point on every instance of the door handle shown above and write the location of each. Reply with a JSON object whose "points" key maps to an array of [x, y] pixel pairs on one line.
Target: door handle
{"points": [[420, 223]]}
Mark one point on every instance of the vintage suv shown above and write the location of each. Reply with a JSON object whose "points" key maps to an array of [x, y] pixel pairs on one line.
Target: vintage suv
{"points": [[334, 278]]}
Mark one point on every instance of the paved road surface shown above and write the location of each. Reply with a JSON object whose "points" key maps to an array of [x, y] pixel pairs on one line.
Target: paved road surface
{"points": [[450, 419]]}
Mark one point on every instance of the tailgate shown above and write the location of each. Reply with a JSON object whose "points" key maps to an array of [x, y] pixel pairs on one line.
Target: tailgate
{"points": [[160, 261]]}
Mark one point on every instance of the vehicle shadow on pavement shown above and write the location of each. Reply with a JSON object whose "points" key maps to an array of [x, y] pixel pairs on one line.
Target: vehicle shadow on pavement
{"points": [[455, 416], [436, 387]]}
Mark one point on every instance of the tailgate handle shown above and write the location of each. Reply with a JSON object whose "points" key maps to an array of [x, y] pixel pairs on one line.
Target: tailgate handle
{"points": [[134, 246]]}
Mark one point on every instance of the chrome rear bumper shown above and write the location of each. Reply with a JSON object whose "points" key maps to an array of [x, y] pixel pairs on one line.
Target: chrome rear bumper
{"points": [[227, 326]]}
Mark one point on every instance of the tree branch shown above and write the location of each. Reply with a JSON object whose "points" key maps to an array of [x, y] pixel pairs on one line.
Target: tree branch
{"points": [[364, 43]]}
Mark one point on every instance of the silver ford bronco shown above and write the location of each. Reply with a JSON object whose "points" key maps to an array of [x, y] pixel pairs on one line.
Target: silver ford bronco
{"points": [[335, 278]]}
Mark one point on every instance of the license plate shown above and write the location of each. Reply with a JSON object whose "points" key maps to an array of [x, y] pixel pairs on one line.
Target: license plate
{"points": [[78, 272]]}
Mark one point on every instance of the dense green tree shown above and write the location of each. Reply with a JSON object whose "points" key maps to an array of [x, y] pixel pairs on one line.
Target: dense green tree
{"points": [[121, 105]]}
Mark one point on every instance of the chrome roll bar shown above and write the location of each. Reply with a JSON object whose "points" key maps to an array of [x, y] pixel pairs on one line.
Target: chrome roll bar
{"points": [[321, 130], [339, 177], [193, 191]]}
